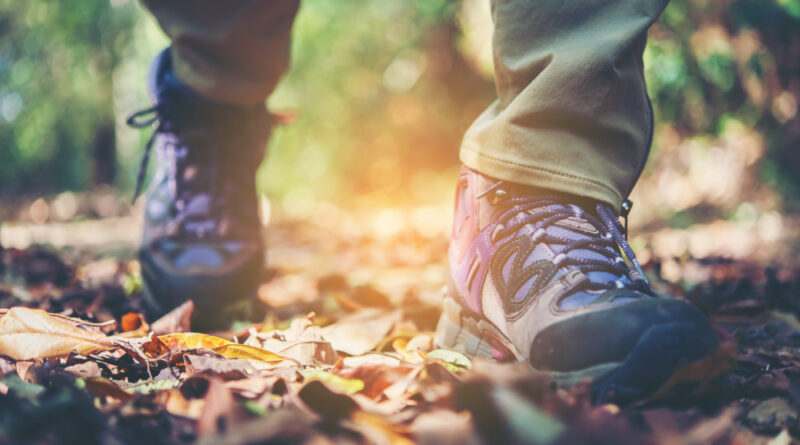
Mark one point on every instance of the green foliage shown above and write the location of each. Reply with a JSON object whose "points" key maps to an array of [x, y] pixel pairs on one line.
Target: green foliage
{"points": [[381, 93], [712, 62], [382, 90], [56, 60]]}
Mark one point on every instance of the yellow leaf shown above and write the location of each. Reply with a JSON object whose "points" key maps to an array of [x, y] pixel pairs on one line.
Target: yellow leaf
{"points": [[248, 352], [336, 383], [192, 340], [33, 333], [400, 345], [390, 432]]}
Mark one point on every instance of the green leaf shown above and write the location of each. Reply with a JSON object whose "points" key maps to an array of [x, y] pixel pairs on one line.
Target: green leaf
{"points": [[456, 359], [21, 388]]}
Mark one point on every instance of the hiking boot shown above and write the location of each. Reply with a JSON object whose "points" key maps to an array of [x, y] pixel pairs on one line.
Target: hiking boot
{"points": [[539, 277], [202, 233]]}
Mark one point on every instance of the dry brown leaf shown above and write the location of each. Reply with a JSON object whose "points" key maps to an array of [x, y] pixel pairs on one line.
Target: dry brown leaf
{"points": [[219, 410], [153, 347], [84, 370], [302, 342], [227, 369], [361, 331], [100, 387], [179, 405], [444, 427], [133, 325], [377, 378], [377, 429], [176, 320], [307, 353], [6, 366], [33, 333], [131, 321], [251, 388]]}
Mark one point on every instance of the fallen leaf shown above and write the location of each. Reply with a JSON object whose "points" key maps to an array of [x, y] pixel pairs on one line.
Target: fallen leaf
{"points": [[772, 415], [84, 370], [253, 387], [443, 427], [192, 340], [347, 335], [337, 383], [302, 342], [219, 410], [370, 358], [248, 352], [327, 403], [376, 429], [310, 353], [99, 387], [283, 426], [712, 430], [33, 333], [452, 360], [226, 369], [421, 342], [784, 438], [153, 386], [6, 366], [153, 347], [376, 378], [131, 322], [178, 405], [176, 320]]}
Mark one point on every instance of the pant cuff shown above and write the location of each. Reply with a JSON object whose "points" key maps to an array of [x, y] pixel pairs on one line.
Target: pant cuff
{"points": [[539, 176]]}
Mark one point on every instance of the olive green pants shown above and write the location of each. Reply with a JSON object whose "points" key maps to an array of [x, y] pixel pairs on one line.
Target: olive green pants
{"points": [[571, 115]]}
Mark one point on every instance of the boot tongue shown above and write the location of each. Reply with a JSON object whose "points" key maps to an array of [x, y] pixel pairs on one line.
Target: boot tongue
{"points": [[566, 231]]}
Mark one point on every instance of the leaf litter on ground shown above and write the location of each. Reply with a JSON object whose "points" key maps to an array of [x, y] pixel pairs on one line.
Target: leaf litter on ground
{"points": [[353, 364]]}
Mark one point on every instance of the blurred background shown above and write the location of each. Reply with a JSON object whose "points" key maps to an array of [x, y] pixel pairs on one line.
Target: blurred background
{"points": [[382, 91]]}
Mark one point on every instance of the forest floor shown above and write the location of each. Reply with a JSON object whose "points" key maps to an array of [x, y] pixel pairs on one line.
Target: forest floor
{"points": [[345, 354]]}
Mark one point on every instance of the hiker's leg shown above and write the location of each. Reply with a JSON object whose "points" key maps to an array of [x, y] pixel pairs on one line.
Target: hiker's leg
{"points": [[572, 113], [538, 271], [202, 235], [232, 51]]}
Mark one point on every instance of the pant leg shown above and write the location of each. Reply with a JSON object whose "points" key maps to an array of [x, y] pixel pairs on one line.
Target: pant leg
{"points": [[572, 112], [232, 51]]}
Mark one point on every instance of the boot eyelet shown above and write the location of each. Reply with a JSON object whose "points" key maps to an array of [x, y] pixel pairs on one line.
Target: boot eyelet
{"points": [[498, 195]]}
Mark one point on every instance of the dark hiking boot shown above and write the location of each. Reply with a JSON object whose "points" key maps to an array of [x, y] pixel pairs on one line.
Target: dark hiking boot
{"points": [[540, 277], [202, 233]]}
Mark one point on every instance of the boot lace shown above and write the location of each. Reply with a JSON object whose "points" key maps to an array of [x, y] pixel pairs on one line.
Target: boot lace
{"points": [[188, 217], [516, 212]]}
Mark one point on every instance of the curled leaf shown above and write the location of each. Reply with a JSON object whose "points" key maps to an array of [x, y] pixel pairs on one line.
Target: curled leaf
{"points": [[33, 333], [452, 360], [248, 352]]}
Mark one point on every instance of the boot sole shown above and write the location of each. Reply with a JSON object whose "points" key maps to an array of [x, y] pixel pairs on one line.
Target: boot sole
{"points": [[218, 317], [659, 366], [219, 299]]}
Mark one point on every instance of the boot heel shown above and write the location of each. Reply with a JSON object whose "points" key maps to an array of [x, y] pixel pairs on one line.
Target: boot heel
{"points": [[460, 332]]}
